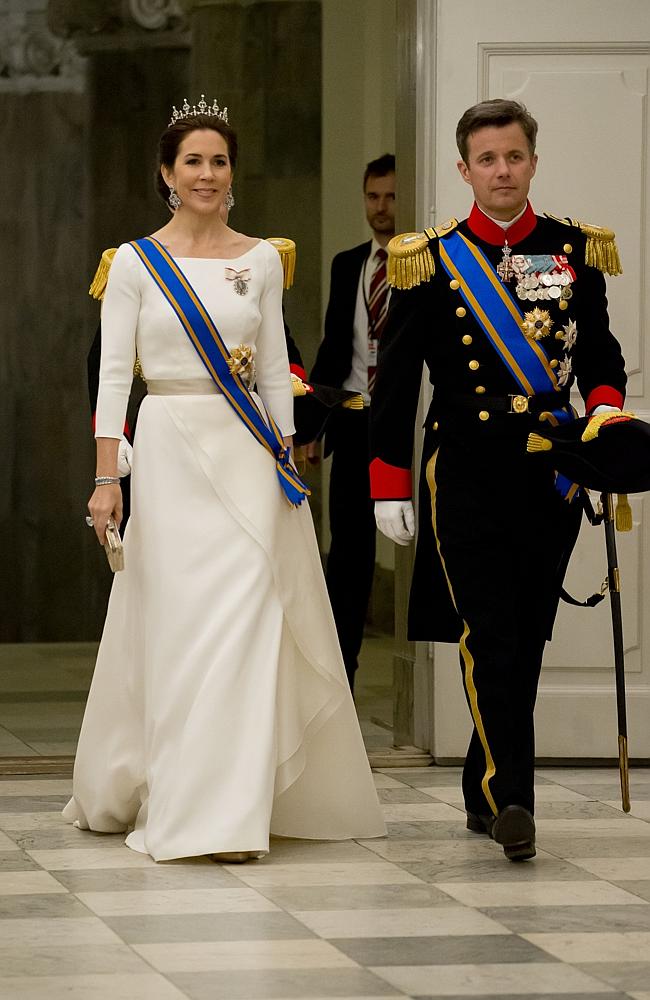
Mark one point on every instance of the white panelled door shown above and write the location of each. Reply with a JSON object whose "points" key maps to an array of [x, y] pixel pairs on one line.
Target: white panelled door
{"points": [[582, 69]]}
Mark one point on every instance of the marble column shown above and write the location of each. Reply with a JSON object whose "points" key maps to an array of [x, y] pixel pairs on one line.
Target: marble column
{"points": [[85, 88], [263, 61]]}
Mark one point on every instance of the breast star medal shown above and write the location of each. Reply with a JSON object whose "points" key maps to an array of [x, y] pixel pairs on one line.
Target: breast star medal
{"points": [[239, 279], [537, 324]]}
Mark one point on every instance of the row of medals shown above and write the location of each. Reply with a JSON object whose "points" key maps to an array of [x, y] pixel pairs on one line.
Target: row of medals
{"points": [[531, 287], [534, 285]]}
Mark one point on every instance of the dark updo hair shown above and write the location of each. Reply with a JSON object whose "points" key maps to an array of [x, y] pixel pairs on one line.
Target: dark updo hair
{"points": [[173, 136]]}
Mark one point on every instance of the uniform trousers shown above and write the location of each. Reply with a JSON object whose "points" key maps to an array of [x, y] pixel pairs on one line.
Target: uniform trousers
{"points": [[351, 560], [504, 534]]}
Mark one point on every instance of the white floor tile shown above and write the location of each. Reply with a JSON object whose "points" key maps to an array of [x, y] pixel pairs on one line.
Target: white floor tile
{"points": [[614, 827], [28, 883], [385, 781], [32, 820], [36, 932], [212, 956], [149, 986], [54, 786], [72, 859], [422, 812], [593, 947], [354, 873], [615, 869], [495, 980], [452, 851], [640, 808], [7, 844], [176, 901], [488, 894], [415, 922]]}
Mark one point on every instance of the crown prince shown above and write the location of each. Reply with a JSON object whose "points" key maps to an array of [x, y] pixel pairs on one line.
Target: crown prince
{"points": [[507, 309]]}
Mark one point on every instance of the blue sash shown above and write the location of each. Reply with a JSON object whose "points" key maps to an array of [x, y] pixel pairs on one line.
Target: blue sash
{"points": [[214, 354], [499, 316]]}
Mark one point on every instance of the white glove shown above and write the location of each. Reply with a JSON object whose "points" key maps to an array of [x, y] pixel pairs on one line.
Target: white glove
{"points": [[605, 408], [396, 520], [124, 453]]}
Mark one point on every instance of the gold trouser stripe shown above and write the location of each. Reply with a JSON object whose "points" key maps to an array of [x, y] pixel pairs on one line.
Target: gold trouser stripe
{"points": [[468, 659]]}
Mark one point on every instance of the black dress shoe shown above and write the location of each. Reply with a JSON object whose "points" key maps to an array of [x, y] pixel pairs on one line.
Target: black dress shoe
{"points": [[514, 829], [479, 824]]}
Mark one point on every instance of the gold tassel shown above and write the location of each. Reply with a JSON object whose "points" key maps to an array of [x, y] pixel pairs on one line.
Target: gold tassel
{"points": [[353, 403], [410, 261], [538, 443], [601, 250], [590, 433], [298, 387], [98, 284], [137, 369], [623, 513], [287, 250]]}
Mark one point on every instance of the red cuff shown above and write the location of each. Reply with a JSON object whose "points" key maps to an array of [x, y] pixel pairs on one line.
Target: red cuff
{"points": [[603, 395], [300, 372], [389, 482]]}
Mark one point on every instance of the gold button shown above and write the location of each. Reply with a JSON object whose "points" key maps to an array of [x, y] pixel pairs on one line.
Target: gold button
{"points": [[435, 425], [563, 304], [484, 415], [567, 248], [554, 362], [480, 389], [474, 365], [467, 340], [454, 285], [461, 311]]}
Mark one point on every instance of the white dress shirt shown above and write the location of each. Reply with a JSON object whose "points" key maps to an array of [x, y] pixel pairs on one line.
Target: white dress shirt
{"points": [[357, 380]]}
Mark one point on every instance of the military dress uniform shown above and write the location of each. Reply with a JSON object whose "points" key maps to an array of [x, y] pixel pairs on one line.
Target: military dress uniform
{"points": [[496, 527]]}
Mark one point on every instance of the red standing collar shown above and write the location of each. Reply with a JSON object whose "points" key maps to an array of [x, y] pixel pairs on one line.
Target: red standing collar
{"points": [[488, 231]]}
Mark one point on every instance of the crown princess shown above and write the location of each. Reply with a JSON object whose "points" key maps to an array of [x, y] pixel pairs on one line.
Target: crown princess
{"points": [[202, 108]]}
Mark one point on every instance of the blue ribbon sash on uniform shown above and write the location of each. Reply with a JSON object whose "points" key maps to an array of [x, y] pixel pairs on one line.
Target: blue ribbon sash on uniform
{"points": [[206, 339], [500, 318]]}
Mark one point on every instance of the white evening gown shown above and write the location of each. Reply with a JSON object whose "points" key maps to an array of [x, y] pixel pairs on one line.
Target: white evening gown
{"points": [[219, 709]]}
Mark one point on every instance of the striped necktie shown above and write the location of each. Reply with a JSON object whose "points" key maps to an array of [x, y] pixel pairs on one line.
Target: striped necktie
{"points": [[377, 310]]}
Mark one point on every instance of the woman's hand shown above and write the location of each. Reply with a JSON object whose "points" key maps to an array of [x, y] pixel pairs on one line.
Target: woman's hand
{"points": [[105, 502]]}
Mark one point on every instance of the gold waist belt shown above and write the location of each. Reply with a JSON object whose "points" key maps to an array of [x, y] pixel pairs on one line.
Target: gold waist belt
{"points": [[182, 387]]}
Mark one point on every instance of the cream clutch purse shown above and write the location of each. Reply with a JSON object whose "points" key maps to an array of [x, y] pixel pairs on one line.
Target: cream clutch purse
{"points": [[113, 547]]}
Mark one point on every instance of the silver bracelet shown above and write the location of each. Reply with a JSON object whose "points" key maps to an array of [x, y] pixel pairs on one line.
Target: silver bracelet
{"points": [[106, 480]]}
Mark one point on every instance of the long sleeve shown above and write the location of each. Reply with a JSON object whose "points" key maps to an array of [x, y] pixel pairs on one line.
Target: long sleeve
{"points": [[120, 312], [395, 398], [597, 357], [271, 360]]}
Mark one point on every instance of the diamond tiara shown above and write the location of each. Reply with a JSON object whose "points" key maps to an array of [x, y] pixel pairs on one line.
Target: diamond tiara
{"points": [[201, 108]]}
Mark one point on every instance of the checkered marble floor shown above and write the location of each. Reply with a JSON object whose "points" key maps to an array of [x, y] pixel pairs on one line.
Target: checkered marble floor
{"points": [[430, 911]]}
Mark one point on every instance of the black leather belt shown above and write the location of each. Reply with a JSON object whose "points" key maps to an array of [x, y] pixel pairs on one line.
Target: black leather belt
{"points": [[510, 403]]}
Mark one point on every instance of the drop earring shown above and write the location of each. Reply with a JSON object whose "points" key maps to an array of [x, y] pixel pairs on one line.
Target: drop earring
{"points": [[173, 201], [230, 200]]}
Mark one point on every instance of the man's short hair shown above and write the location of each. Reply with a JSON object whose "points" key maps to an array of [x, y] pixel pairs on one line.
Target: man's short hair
{"points": [[498, 112], [380, 167]]}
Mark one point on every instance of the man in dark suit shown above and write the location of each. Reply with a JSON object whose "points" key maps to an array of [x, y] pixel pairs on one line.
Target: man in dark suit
{"points": [[346, 359]]}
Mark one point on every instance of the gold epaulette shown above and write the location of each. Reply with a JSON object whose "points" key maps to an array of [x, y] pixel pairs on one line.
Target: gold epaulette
{"points": [[410, 261], [600, 250], [98, 285], [287, 250]]}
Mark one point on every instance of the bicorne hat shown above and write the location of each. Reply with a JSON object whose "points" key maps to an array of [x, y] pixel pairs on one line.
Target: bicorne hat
{"points": [[609, 453]]}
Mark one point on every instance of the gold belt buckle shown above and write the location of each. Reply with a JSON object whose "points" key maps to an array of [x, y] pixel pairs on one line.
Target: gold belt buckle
{"points": [[518, 404]]}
